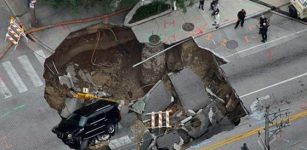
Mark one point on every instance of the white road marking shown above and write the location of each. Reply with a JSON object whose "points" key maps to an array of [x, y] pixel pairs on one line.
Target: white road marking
{"points": [[4, 90], [273, 85], [40, 55], [27, 66], [12, 73], [278, 39]]}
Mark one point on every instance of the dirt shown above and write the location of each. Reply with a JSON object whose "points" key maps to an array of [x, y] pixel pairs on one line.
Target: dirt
{"points": [[113, 72], [108, 54]]}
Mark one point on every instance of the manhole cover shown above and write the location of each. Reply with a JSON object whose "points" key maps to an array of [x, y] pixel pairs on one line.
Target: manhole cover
{"points": [[232, 44], [188, 26], [154, 39]]}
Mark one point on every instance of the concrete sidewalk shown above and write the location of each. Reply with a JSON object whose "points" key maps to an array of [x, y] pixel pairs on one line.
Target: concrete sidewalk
{"points": [[169, 27], [230, 44], [276, 3], [4, 24], [51, 38]]}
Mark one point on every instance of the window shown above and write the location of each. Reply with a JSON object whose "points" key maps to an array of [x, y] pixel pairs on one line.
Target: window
{"points": [[96, 118], [77, 119]]}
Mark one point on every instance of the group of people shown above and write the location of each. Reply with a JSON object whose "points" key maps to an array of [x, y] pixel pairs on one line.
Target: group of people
{"points": [[215, 11], [263, 22]]}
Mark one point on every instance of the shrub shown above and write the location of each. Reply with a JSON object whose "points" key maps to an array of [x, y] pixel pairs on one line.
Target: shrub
{"points": [[148, 10]]}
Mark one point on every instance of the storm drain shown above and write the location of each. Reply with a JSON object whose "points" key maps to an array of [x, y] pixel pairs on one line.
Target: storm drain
{"points": [[154, 39], [188, 26], [232, 44]]}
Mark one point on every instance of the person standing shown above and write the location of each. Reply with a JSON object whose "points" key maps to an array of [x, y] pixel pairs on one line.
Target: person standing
{"points": [[262, 20], [213, 4], [241, 16], [217, 19], [201, 4], [244, 147], [264, 31]]}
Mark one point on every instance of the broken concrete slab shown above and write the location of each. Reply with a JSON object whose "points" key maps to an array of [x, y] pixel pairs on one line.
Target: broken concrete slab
{"points": [[157, 99], [190, 89], [86, 76], [72, 71], [64, 80], [168, 140], [128, 120], [147, 140], [138, 106], [71, 105], [195, 129], [215, 113]]}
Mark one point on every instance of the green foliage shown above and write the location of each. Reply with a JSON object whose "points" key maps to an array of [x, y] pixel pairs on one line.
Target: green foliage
{"points": [[77, 4], [148, 10], [183, 4], [127, 3]]}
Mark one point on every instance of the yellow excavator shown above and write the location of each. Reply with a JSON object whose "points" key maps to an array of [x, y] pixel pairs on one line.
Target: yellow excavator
{"points": [[298, 9], [86, 95]]}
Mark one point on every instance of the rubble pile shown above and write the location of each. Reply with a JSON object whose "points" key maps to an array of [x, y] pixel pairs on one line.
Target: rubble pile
{"points": [[166, 103]]}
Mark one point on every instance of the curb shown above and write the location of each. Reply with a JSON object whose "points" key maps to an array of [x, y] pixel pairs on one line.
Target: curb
{"points": [[135, 8]]}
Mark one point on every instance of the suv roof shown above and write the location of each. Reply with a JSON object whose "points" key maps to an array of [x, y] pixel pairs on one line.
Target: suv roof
{"points": [[95, 107]]}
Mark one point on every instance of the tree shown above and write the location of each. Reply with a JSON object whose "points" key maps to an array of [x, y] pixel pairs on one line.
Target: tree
{"points": [[183, 4], [77, 4]]}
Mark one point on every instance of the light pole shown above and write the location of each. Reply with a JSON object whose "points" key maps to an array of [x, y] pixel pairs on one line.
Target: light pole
{"points": [[267, 128], [32, 12]]}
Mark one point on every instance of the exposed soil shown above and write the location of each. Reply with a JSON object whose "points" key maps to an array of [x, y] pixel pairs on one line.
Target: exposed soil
{"points": [[113, 72], [108, 53]]}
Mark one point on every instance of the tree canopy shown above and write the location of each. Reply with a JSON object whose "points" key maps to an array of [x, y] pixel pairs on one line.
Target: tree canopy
{"points": [[184, 3], [77, 4]]}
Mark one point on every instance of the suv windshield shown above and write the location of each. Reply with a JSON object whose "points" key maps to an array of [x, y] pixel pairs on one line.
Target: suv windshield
{"points": [[77, 120]]}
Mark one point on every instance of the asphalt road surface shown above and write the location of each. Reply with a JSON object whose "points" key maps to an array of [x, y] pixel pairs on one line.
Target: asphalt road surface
{"points": [[26, 119]]}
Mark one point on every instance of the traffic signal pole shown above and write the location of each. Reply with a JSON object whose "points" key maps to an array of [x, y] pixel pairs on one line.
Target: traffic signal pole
{"points": [[33, 19], [266, 128]]}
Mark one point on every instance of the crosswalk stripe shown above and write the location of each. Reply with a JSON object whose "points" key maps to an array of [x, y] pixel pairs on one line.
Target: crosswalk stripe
{"points": [[4, 90], [27, 66], [40, 55], [12, 73]]}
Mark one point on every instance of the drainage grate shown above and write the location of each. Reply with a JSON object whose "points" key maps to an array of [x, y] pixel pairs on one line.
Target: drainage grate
{"points": [[232, 44], [154, 39], [188, 26]]}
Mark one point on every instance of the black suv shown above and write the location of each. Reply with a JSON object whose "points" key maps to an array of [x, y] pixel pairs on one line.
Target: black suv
{"points": [[89, 125]]}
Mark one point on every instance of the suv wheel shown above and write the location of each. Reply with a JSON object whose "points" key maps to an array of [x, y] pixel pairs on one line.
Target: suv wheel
{"points": [[111, 129], [104, 137]]}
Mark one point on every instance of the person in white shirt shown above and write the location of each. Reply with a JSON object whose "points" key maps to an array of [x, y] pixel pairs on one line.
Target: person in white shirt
{"points": [[217, 19]]}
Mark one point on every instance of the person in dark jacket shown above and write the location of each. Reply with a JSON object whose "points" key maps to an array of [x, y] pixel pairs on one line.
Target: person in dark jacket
{"points": [[264, 31], [244, 147], [201, 4], [241, 16], [262, 20], [213, 4]]}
